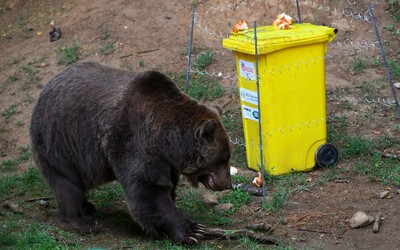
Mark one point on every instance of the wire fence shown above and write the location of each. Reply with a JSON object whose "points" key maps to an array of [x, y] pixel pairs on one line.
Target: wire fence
{"points": [[213, 22], [216, 22]]}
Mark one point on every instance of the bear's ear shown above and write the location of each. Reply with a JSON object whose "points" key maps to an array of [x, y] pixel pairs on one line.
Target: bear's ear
{"points": [[217, 109], [205, 132]]}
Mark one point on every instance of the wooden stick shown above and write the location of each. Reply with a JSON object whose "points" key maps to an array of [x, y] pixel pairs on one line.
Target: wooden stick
{"points": [[125, 56], [390, 156], [377, 223], [138, 53], [342, 181], [39, 199], [217, 233], [145, 51], [313, 230]]}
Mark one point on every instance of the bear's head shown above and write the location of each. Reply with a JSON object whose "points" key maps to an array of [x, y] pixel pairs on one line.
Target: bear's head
{"points": [[211, 166]]}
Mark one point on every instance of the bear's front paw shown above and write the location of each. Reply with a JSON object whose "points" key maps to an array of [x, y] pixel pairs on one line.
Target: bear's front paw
{"points": [[194, 233], [79, 225]]}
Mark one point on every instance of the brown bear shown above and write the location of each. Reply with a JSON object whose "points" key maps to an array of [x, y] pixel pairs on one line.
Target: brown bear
{"points": [[93, 124]]}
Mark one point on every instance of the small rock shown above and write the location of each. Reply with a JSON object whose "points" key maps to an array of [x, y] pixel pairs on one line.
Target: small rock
{"points": [[55, 34], [383, 194], [361, 219], [223, 207], [397, 85], [398, 191], [42, 65], [209, 199]]}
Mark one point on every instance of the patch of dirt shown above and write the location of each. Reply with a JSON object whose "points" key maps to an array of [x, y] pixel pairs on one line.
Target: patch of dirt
{"points": [[155, 34]]}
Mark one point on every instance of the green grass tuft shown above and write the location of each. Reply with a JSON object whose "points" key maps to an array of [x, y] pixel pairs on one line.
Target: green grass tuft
{"points": [[376, 168], [68, 55], [107, 194], [237, 197], [201, 87], [7, 184], [358, 66], [31, 77], [11, 164], [204, 59], [189, 202], [356, 146], [278, 200], [107, 49], [141, 63], [103, 31], [394, 67], [10, 111], [33, 236]]}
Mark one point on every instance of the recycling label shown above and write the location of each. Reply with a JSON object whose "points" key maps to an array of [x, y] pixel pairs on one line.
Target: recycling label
{"points": [[250, 113], [248, 96], [247, 70]]}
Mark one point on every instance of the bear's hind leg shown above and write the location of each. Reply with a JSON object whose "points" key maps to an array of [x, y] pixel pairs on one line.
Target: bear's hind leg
{"points": [[88, 208], [72, 205], [68, 190]]}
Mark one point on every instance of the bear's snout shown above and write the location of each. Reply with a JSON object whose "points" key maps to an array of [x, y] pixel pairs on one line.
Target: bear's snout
{"points": [[216, 181]]}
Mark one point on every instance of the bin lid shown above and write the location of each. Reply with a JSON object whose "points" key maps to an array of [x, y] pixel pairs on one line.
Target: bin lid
{"points": [[269, 39]]}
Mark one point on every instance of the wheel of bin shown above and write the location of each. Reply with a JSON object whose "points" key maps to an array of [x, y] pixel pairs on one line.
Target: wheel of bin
{"points": [[326, 155]]}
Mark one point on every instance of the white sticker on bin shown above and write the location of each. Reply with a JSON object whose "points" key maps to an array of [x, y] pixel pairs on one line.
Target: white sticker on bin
{"points": [[247, 70], [248, 96], [250, 113]]}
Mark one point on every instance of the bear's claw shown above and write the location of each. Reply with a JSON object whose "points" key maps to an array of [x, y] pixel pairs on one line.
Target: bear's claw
{"points": [[193, 240], [196, 233], [199, 236]]}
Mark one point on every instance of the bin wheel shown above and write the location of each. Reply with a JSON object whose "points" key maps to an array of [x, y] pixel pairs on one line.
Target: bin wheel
{"points": [[326, 155]]}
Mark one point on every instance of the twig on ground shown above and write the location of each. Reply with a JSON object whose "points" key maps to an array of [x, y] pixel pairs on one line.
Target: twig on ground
{"points": [[313, 230], [390, 156], [145, 51], [217, 233], [138, 53], [125, 56], [342, 181], [39, 199]]}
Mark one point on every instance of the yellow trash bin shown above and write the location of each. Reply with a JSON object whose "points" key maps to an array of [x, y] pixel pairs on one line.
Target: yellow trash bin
{"points": [[292, 96]]}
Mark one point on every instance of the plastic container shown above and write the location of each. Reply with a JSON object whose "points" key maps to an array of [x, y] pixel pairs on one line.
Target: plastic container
{"points": [[292, 96]]}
